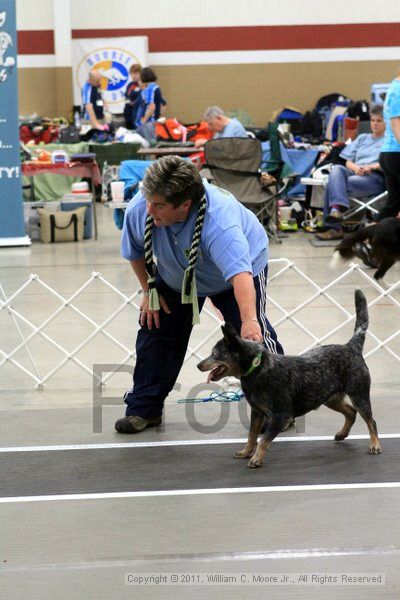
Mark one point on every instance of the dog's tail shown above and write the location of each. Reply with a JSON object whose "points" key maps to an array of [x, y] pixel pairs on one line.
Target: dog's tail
{"points": [[362, 320], [346, 247]]}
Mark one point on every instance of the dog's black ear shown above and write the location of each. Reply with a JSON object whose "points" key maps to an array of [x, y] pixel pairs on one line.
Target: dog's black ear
{"points": [[229, 333]]}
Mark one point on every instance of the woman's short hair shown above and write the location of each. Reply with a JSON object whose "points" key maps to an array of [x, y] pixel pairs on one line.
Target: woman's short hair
{"points": [[147, 75], [175, 179]]}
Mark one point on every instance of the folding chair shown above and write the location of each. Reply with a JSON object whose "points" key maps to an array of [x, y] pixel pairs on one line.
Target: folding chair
{"points": [[234, 164], [364, 205], [110, 173]]}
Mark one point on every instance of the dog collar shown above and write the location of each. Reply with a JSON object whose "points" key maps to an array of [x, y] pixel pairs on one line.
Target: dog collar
{"points": [[254, 364]]}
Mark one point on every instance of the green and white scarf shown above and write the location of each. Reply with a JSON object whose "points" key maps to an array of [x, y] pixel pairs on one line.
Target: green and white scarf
{"points": [[189, 288]]}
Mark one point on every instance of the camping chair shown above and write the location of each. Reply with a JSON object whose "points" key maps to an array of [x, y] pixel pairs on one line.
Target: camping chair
{"points": [[276, 166], [350, 126], [234, 164], [366, 206]]}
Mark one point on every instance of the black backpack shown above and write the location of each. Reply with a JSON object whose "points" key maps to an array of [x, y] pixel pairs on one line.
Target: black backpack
{"points": [[359, 109], [311, 125], [69, 135], [329, 100]]}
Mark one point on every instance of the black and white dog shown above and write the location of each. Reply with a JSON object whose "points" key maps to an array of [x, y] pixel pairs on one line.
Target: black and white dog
{"points": [[279, 388], [384, 241]]}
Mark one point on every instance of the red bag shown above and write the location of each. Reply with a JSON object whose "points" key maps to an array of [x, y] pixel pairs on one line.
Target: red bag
{"points": [[39, 133], [50, 134], [170, 131], [198, 131]]}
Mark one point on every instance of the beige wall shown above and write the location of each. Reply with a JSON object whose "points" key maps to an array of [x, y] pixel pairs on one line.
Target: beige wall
{"points": [[262, 88], [47, 91], [257, 89]]}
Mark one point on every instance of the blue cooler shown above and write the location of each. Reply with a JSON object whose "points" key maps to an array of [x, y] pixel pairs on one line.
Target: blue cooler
{"points": [[72, 201]]}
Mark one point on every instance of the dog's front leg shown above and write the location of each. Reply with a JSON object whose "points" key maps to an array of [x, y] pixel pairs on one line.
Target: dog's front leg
{"points": [[383, 267], [272, 430], [256, 422]]}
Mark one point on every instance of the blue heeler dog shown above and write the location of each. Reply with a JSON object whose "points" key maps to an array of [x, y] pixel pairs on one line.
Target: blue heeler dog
{"points": [[279, 388]]}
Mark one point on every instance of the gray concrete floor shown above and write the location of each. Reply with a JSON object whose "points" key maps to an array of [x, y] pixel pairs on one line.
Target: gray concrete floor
{"points": [[82, 548]]}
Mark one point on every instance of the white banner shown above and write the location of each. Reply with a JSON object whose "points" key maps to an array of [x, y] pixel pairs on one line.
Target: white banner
{"points": [[113, 57]]}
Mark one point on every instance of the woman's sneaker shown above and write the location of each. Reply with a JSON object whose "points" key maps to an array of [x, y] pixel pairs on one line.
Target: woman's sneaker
{"points": [[135, 424], [334, 217]]}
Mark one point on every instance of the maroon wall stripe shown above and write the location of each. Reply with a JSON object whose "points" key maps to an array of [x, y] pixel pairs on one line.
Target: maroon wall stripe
{"points": [[206, 39], [36, 42], [287, 37]]}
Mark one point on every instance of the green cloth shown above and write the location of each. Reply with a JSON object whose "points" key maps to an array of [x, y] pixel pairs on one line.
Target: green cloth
{"points": [[276, 166], [113, 153], [53, 187]]}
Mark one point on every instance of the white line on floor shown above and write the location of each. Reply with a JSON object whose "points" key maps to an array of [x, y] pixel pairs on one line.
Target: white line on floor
{"points": [[201, 442], [200, 492], [281, 554]]}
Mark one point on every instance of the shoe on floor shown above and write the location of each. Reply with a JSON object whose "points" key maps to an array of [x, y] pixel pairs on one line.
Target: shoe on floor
{"points": [[330, 234], [135, 424], [334, 217], [364, 254]]}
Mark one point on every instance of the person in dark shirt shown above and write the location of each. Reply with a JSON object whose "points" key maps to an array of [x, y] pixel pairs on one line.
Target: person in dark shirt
{"points": [[93, 105], [132, 96], [152, 104]]}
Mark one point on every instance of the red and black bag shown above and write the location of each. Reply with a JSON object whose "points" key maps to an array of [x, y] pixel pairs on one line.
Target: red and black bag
{"points": [[198, 131]]}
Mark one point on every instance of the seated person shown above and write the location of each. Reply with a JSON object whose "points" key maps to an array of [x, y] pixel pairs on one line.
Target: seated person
{"points": [[360, 177], [152, 104], [132, 96], [221, 126], [93, 105]]}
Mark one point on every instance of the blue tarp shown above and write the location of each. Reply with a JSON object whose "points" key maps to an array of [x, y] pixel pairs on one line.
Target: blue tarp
{"points": [[300, 161]]}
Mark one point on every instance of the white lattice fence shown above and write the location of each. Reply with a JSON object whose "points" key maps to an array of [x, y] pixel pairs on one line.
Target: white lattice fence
{"points": [[45, 332]]}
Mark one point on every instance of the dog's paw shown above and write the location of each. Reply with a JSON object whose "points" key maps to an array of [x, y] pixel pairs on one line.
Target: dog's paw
{"points": [[245, 453], [255, 462], [337, 261], [374, 450], [340, 436]]}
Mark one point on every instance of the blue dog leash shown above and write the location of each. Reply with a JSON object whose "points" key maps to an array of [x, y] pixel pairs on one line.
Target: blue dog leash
{"points": [[229, 396]]}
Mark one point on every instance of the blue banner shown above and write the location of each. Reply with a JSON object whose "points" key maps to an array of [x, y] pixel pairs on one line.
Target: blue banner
{"points": [[12, 230]]}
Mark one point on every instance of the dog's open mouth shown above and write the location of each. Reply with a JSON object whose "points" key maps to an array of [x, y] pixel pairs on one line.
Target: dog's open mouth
{"points": [[217, 373]]}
